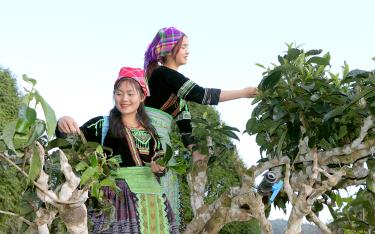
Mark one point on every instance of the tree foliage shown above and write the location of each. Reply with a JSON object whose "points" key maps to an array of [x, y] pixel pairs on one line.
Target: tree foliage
{"points": [[356, 214], [221, 165], [301, 97], [314, 127], [57, 181], [321, 122]]}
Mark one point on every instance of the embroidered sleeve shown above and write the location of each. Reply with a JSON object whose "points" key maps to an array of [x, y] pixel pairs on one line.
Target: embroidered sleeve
{"points": [[193, 92], [188, 90], [91, 130]]}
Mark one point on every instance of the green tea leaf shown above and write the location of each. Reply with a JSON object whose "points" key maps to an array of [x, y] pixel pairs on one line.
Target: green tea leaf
{"points": [[167, 156], [27, 113], [251, 126], [179, 169], [99, 149], [82, 165], [38, 130], [229, 128], [345, 70], [49, 115], [337, 111], [115, 161], [161, 162], [8, 133], [260, 65], [293, 53], [35, 165], [357, 73], [93, 160], [109, 181], [168, 153], [280, 144], [367, 90], [271, 80], [58, 142], [27, 117], [260, 139], [29, 80], [22, 126], [230, 134], [95, 190], [88, 175], [319, 60], [257, 99], [313, 52], [20, 140]]}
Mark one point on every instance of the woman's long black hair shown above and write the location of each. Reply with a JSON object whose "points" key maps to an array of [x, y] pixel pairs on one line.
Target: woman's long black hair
{"points": [[116, 126]]}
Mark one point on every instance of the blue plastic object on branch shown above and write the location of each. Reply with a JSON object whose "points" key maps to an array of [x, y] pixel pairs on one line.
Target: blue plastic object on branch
{"points": [[270, 186], [275, 190]]}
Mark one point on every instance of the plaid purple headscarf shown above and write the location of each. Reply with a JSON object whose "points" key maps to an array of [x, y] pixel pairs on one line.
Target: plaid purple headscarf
{"points": [[162, 44]]}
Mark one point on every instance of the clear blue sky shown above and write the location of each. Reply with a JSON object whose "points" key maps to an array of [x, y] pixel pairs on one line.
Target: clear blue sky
{"points": [[75, 48]]}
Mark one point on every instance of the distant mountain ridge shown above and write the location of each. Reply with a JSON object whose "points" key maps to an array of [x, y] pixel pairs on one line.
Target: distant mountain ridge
{"points": [[279, 225]]}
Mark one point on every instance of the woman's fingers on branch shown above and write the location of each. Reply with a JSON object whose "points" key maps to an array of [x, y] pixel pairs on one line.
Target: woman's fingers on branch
{"points": [[156, 168], [68, 125], [251, 92]]}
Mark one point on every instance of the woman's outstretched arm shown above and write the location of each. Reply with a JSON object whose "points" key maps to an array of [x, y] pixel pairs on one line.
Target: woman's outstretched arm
{"points": [[248, 92]]}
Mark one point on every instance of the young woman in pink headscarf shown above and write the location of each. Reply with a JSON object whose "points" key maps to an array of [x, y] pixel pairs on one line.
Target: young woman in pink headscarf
{"points": [[170, 90], [140, 206]]}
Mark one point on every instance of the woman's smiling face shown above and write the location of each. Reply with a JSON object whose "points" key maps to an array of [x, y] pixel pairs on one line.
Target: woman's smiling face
{"points": [[127, 98]]}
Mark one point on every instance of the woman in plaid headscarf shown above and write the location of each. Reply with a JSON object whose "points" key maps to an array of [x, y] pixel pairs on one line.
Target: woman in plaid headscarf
{"points": [[170, 90]]}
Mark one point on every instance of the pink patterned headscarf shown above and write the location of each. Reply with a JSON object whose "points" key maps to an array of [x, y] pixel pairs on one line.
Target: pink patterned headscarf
{"points": [[136, 74], [162, 44]]}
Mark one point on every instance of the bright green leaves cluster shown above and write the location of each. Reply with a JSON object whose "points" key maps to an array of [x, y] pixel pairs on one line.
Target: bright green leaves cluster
{"points": [[301, 97], [357, 214], [35, 165], [219, 133], [18, 137], [18, 142], [222, 164], [20, 134], [90, 162], [26, 129], [50, 117], [179, 167]]}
